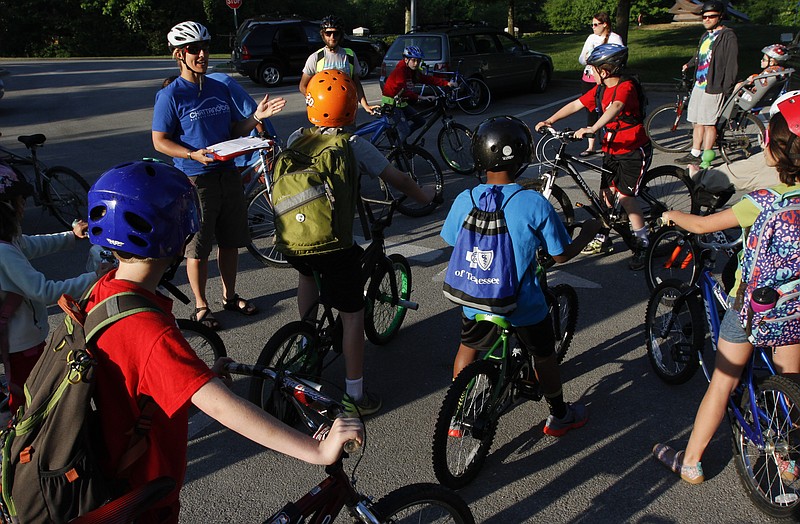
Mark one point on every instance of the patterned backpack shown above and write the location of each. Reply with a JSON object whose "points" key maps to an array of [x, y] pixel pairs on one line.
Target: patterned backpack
{"points": [[771, 267]]}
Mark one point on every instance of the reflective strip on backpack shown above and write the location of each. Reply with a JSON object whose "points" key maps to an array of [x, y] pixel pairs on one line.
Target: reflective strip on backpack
{"points": [[351, 60], [293, 202]]}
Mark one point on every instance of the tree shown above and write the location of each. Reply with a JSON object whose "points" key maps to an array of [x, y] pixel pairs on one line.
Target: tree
{"points": [[623, 19]]}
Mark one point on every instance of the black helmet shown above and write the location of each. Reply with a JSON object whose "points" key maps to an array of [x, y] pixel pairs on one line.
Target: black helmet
{"points": [[613, 54], [714, 5], [502, 143], [331, 22]]}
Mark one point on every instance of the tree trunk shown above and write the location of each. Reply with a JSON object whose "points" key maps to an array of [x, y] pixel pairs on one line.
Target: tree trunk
{"points": [[408, 16], [511, 17], [623, 16]]}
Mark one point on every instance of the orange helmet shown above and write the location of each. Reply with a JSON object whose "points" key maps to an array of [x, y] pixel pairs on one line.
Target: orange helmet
{"points": [[331, 99]]}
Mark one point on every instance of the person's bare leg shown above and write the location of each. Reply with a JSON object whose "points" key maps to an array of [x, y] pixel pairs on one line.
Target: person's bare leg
{"points": [[709, 137], [228, 262], [197, 273], [307, 293], [353, 343], [464, 358], [698, 133]]}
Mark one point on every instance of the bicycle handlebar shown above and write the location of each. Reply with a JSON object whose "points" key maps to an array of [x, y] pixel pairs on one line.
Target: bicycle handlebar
{"points": [[565, 135]]}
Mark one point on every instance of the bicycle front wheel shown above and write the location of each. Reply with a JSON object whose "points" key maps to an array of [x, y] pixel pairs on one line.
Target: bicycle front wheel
{"points": [[563, 302], [668, 130], [742, 138], [261, 223], [670, 255], [474, 96], [424, 170], [674, 334], [292, 348], [558, 199], [466, 425], [666, 188], [455, 147], [429, 503], [382, 315], [766, 470], [204, 340], [66, 194]]}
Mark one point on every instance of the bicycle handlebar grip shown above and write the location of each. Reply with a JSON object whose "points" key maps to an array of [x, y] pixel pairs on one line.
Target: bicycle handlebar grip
{"points": [[660, 222], [351, 446]]}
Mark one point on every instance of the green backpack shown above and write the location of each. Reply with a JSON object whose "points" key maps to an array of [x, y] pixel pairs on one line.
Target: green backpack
{"points": [[51, 448], [314, 194]]}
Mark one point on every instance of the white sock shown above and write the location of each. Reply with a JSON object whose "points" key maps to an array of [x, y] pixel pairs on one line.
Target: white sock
{"points": [[642, 235], [600, 237], [696, 152], [354, 388]]}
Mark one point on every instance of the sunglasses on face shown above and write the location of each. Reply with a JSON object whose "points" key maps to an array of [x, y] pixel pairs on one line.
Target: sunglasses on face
{"points": [[331, 33], [595, 24], [710, 17], [194, 49]]}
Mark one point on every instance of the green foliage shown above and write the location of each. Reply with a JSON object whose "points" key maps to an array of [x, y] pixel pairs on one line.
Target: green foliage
{"points": [[574, 15], [782, 12]]}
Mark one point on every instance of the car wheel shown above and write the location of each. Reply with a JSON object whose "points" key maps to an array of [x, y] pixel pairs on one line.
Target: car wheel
{"points": [[363, 68], [541, 80], [270, 75]]}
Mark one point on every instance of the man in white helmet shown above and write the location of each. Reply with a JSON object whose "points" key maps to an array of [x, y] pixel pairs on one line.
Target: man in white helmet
{"points": [[190, 114]]}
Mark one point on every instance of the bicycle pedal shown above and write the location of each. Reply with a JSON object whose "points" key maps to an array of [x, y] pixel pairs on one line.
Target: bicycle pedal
{"points": [[529, 389]]}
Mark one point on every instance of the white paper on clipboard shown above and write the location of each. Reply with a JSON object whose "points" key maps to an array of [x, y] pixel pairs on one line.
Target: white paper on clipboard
{"points": [[239, 146]]}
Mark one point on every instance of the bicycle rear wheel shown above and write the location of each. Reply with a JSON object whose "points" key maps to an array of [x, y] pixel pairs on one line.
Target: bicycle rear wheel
{"points": [[293, 348], [776, 416], [563, 303], [669, 131], [670, 255], [455, 147], [66, 194], [204, 340], [674, 335], [424, 170], [558, 199], [741, 138], [429, 503], [474, 96], [382, 316], [261, 223], [466, 425], [666, 188]]}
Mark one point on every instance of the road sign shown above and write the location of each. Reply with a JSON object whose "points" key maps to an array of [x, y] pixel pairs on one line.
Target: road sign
{"points": [[234, 4]]}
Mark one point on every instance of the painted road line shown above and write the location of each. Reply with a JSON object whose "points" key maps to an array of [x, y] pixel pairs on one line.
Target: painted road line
{"points": [[561, 102], [410, 251]]}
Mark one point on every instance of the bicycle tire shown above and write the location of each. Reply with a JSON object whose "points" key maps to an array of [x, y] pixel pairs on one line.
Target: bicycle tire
{"points": [[423, 503], [425, 171], [564, 315], [382, 318], [204, 341], [757, 466], [261, 224], [558, 199], [671, 188], [477, 99], [658, 126], [743, 139], [457, 460], [670, 255], [66, 194], [455, 148], [673, 354], [295, 348]]}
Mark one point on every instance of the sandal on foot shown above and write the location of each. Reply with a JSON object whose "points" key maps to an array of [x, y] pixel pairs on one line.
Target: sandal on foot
{"points": [[207, 320], [674, 461], [239, 305], [588, 152]]}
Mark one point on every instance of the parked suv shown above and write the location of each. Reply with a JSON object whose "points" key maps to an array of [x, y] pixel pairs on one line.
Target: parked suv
{"points": [[268, 50], [490, 54]]}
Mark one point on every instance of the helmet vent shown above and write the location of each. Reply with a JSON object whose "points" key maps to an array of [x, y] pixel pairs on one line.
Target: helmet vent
{"points": [[150, 170], [97, 212], [138, 223], [137, 241]]}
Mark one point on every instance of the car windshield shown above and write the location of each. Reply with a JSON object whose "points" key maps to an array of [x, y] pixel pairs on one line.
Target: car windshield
{"points": [[431, 47]]}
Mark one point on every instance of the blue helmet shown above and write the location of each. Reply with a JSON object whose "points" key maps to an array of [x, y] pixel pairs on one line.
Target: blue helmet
{"points": [[615, 55], [146, 208], [413, 51]]}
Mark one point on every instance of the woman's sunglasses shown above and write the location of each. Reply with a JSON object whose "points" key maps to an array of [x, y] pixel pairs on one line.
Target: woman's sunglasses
{"points": [[195, 48]]}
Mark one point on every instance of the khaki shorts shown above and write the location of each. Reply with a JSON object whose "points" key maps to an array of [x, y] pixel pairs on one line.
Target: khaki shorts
{"points": [[704, 109], [223, 212]]}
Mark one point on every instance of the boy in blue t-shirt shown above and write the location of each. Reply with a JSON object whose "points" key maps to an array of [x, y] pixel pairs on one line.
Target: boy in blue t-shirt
{"points": [[502, 147]]}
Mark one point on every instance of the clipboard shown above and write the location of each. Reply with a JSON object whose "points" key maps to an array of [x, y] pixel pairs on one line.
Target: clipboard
{"points": [[239, 146]]}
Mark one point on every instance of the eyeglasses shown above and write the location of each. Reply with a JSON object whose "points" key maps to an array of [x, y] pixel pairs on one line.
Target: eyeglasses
{"points": [[595, 24], [709, 17], [332, 33], [195, 48]]}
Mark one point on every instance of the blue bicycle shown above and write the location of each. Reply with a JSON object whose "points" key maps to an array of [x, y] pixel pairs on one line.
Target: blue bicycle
{"points": [[764, 410]]}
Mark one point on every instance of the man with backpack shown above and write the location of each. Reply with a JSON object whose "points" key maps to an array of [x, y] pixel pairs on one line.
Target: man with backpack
{"points": [[626, 147], [314, 194], [143, 371], [505, 226]]}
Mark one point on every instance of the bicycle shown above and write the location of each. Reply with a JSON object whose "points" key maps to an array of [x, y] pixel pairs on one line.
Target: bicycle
{"points": [[302, 346], [488, 388], [662, 188], [764, 410], [57, 189], [471, 95], [413, 503]]}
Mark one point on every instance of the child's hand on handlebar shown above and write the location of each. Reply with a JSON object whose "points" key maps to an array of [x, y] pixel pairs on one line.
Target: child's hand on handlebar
{"points": [[584, 132], [543, 123], [342, 431]]}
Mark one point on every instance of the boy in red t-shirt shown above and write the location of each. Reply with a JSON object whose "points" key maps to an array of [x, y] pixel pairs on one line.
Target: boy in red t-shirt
{"points": [[626, 147], [146, 212]]}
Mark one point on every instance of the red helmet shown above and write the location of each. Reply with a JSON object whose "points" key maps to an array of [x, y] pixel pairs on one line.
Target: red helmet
{"points": [[331, 99]]}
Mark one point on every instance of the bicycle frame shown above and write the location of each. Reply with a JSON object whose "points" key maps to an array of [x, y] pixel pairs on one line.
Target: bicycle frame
{"points": [[32, 161], [256, 173]]}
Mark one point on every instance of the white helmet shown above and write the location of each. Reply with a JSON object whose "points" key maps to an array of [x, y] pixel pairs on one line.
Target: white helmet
{"points": [[187, 33], [774, 107]]}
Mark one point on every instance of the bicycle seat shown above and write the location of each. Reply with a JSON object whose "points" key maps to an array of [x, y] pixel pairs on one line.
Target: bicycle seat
{"points": [[32, 140]]}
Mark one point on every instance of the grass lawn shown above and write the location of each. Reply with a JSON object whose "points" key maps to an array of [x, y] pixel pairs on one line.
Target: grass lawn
{"points": [[657, 52]]}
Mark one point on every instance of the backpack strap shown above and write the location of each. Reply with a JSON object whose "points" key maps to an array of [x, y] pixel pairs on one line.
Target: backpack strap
{"points": [[10, 304]]}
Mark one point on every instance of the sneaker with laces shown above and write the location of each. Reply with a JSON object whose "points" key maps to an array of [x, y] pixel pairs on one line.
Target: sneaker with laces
{"points": [[577, 415], [368, 404], [689, 158], [636, 262], [598, 247]]}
